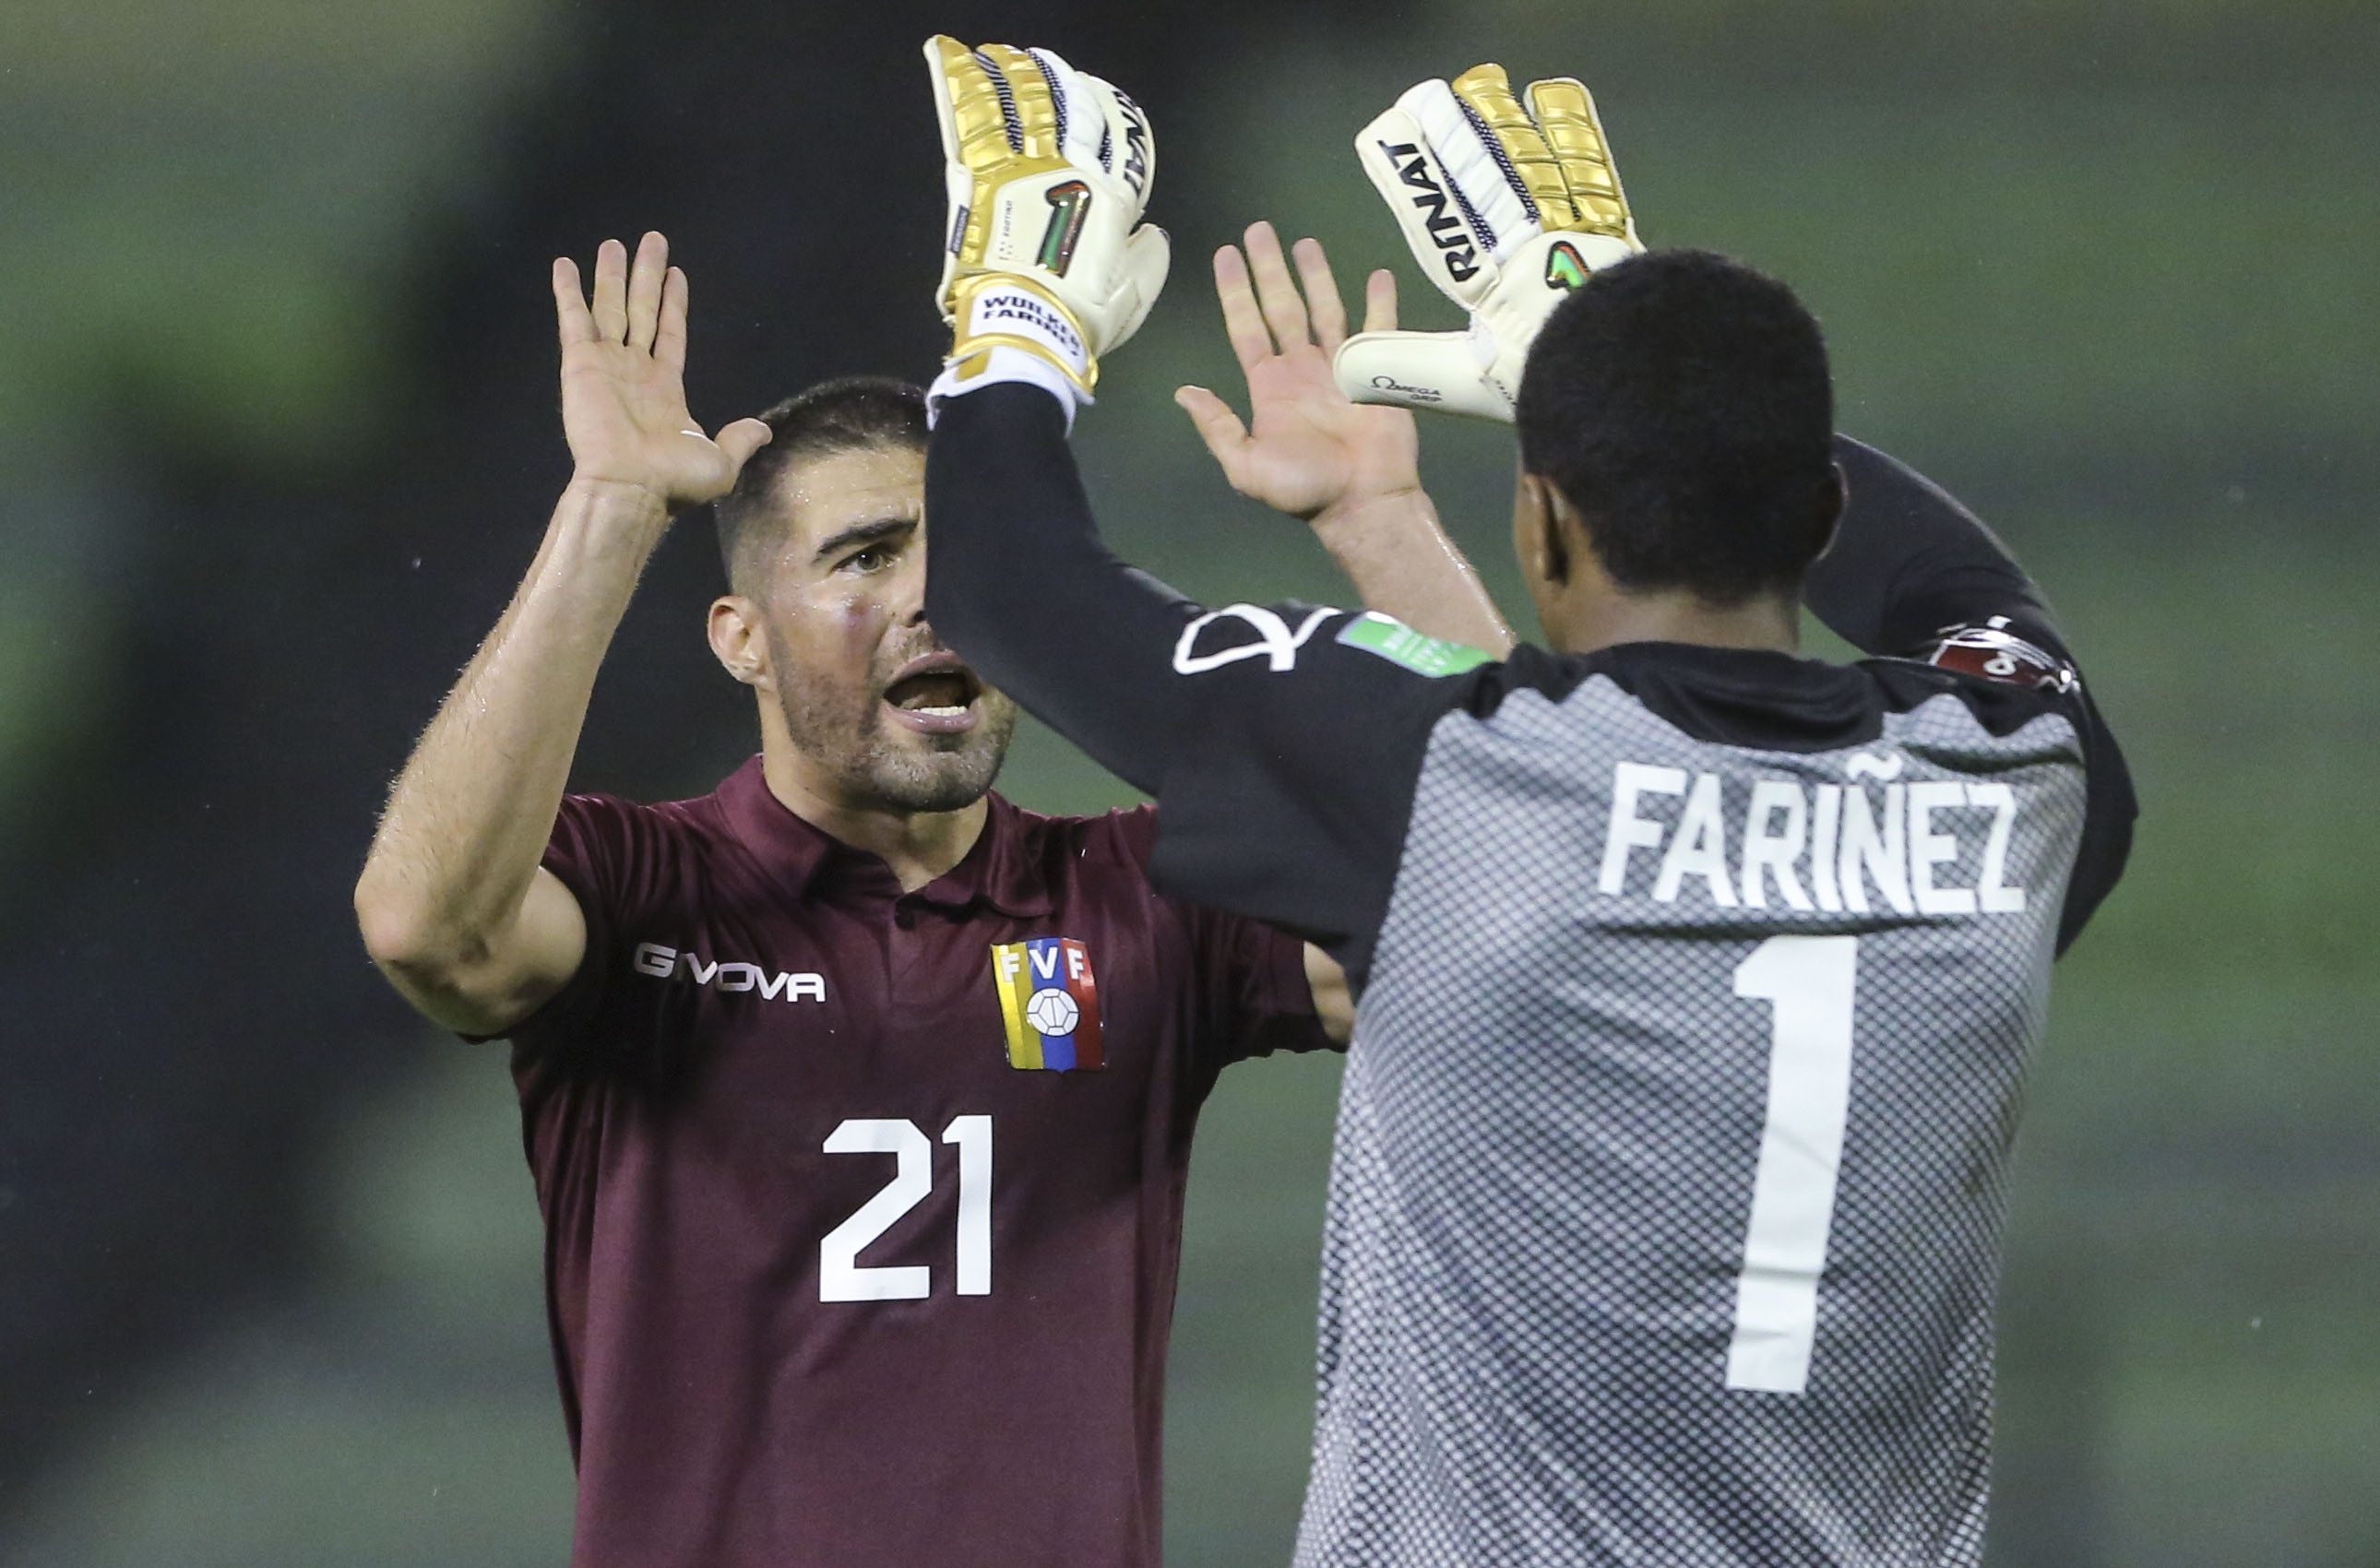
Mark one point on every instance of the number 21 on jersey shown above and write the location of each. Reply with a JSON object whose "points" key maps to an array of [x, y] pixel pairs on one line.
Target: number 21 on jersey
{"points": [[842, 1277]]}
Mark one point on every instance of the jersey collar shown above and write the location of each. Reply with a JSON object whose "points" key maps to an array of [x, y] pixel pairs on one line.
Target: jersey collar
{"points": [[998, 871]]}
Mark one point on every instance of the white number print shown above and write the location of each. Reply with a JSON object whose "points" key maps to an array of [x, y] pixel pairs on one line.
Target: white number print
{"points": [[973, 1135], [842, 1277], [1808, 983]]}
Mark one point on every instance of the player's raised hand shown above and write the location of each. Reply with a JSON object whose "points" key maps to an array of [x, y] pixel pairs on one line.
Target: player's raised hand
{"points": [[1305, 447], [1048, 170], [1507, 202], [624, 380]]}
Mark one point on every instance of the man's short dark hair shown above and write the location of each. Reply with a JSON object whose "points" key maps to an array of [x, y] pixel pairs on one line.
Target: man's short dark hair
{"points": [[848, 414], [1681, 402]]}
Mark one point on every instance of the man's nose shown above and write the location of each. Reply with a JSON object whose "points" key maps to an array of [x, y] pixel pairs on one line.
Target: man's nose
{"points": [[909, 588]]}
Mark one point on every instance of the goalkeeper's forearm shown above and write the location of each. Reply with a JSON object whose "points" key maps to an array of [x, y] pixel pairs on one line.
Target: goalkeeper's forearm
{"points": [[1909, 560], [1021, 585]]}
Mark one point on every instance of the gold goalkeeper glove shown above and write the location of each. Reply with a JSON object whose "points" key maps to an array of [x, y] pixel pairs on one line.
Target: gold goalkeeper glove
{"points": [[1508, 205], [1049, 170]]}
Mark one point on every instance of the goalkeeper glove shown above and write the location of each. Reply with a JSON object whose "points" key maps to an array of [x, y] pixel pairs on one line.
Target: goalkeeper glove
{"points": [[1508, 206], [1049, 170]]}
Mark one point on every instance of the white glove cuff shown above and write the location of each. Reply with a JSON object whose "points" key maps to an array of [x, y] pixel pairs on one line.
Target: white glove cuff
{"points": [[1002, 366]]}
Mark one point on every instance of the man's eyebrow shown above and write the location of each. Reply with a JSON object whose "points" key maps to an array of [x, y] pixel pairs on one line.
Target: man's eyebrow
{"points": [[864, 533]]}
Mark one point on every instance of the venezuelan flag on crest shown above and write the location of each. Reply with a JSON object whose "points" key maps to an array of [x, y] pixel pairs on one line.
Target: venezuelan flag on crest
{"points": [[1050, 1002]]}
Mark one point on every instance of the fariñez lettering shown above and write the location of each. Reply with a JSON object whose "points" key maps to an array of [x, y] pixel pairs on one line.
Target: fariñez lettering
{"points": [[1741, 847]]}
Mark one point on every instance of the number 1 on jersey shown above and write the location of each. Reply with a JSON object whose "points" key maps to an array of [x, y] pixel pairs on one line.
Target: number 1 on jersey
{"points": [[973, 1135], [1808, 983]]}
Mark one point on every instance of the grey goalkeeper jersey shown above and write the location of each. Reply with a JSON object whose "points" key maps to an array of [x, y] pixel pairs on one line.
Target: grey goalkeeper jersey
{"points": [[1697, 989], [1665, 1205]]}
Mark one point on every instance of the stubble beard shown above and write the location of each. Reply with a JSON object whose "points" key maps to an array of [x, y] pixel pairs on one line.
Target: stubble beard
{"points": [[875, 767]]}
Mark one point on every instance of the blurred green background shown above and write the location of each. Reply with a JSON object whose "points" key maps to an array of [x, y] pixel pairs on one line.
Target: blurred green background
{"points": [[275, 399]]}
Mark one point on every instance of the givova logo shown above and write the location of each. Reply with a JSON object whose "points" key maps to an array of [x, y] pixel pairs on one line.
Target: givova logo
{"points": [[665, 963]]}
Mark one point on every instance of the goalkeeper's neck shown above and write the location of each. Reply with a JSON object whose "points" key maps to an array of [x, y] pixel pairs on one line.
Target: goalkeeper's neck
{"points": [[1582, 622]]}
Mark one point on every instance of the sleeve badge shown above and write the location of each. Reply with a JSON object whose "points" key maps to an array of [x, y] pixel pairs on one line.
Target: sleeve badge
{"points": [[1995, 653]]}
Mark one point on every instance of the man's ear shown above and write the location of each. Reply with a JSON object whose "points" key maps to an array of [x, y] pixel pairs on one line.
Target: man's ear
{"points": [[1537, 536], [1831, 511], [735, 638]]}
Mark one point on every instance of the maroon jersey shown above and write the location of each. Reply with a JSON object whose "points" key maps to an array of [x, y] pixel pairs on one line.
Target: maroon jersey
{"points": [[838, 1274]]}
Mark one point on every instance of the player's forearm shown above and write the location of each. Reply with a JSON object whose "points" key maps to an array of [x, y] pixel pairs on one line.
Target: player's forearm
{"points": [[1393, 549], [1909, 560], [467, 824], [1022, 586]]}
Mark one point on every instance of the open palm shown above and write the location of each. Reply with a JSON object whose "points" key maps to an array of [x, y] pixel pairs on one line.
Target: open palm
{"points": [[1305, 448], [624, 380]]}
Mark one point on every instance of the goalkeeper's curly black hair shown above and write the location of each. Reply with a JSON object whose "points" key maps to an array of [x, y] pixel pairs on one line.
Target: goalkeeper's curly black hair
{"points": [[848, 414], [1681, 402]]}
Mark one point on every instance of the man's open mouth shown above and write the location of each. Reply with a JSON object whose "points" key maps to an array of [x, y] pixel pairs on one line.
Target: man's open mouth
{"points": [[936, 692]]}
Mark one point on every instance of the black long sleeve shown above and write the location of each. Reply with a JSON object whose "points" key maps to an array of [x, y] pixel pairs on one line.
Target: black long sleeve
{"points": [[1284, 744], [1909, 560], [1022, 585]]}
